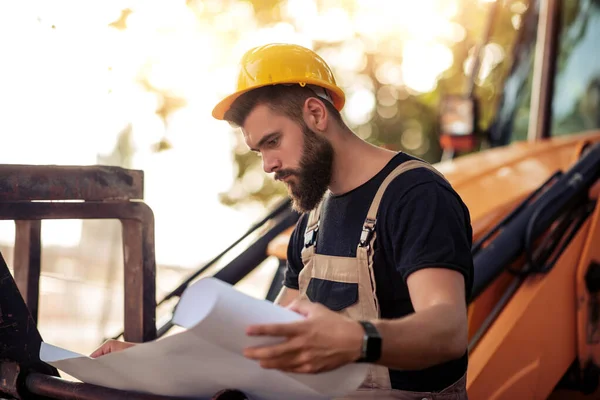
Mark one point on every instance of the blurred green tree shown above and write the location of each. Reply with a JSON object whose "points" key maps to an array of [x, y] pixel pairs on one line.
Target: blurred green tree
{"points": [[400, 117]]}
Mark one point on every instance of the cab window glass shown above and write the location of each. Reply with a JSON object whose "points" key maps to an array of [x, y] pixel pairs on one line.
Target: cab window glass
{"points": [[512, 119], [576, 100]]}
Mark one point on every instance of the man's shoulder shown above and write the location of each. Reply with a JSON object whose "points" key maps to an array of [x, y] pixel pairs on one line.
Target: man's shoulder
{"points": [[414, 176], [414, 180], [422, 186]]}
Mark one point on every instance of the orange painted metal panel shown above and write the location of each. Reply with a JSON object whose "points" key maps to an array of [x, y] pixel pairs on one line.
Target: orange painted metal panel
{"points": [[532, 343]]}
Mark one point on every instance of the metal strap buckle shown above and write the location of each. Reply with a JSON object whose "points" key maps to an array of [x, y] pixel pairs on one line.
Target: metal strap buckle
{"points": [[367, 233], [310, 237]]}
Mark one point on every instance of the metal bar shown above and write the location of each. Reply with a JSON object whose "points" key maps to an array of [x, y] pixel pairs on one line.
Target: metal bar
{"points": [[58, 388], [123, 210], [140, 284], [27, 263], [53, 182], [543, 71]]}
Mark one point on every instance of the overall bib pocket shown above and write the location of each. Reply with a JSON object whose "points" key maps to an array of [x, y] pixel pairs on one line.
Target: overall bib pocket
{"points": [[334, 295]]}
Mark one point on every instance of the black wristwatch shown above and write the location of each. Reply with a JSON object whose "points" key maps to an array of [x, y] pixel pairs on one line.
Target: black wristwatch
{"points": [[371, 346]]}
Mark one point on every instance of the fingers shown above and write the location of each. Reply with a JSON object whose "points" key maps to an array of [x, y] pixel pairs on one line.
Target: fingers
{"points": [[290, 329], [97, 353], [303, 361], [306, 368], [289, 356], [279, 350], [100, 351], [302, 307], [290, 363], [110, 346]]}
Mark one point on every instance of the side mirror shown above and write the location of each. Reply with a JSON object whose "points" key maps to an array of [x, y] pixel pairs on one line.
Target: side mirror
{"points": [[458, 123]]}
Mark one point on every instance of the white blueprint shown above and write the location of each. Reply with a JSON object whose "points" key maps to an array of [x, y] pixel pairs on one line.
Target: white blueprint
{"points": [[207, 356]]}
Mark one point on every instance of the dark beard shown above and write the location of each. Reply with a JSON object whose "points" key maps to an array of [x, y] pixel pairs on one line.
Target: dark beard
{"points": [[314, 174]]}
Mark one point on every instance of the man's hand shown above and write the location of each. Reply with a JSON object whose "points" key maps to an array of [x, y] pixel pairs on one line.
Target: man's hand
{"points": [[111, 346], [322, 342]]}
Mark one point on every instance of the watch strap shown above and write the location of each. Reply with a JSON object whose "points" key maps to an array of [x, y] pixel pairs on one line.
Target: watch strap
{"points": [[371, 346]]}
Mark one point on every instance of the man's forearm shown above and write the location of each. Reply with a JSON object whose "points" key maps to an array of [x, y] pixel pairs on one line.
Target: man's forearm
{"points": [[423, 339]]}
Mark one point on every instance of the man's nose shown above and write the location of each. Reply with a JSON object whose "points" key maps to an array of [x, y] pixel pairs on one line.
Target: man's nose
{"points": [[271, 164]]}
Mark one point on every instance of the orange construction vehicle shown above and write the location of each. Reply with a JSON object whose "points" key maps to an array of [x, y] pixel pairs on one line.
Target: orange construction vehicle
{"points": [[534, 318]]}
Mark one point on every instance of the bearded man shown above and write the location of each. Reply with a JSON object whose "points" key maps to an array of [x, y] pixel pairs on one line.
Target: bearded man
{"points": [[379, 262]]}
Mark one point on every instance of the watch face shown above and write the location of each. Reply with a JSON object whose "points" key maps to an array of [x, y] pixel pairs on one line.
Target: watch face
{"points": [[374, 348], [371, 350]]}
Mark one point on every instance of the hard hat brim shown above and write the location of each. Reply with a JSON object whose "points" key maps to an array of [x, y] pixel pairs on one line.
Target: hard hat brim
{"points": [[336, 93]]}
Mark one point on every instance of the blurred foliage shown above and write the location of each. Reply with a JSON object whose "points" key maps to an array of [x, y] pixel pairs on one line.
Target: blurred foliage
{"points": [[402, 118]]}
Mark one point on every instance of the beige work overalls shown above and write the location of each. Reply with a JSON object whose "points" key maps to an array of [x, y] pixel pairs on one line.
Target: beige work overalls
{"points": [[351, 283]]}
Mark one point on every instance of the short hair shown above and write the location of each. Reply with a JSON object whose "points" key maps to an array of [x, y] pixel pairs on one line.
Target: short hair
{"points": [[286, 100]]}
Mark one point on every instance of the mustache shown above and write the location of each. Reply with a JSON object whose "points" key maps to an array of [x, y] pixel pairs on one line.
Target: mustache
{"points": [[284, 173]]}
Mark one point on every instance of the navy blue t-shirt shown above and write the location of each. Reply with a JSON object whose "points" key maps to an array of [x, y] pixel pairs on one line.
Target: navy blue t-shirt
{"points": [[421, 222]]}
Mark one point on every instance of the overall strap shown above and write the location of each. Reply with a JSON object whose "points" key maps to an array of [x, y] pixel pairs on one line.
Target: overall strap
{"points": [[371, 220], [312, 226], [367, 237]]}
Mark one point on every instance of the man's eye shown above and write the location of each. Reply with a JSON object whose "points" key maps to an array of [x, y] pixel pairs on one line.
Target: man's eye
{"points": [[273, 142]]}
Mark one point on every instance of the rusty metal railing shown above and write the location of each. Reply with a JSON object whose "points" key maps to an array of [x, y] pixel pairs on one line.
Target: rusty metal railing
{"points": [[31, 193]]}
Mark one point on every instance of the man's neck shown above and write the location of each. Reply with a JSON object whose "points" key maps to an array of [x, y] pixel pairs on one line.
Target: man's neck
{"points": [[355, 162]]}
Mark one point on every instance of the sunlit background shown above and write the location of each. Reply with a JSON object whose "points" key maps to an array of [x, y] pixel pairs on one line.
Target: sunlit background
{"points": [[133, 83]]}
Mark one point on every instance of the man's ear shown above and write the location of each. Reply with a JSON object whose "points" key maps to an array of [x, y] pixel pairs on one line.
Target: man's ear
{"points": [[315, 114]]}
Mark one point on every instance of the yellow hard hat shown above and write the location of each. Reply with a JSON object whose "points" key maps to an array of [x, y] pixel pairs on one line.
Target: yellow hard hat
{"points": [[281, 63]]}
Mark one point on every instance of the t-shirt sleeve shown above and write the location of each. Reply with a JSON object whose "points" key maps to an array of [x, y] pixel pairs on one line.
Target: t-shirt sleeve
{"points": [[294, 256], [429, 226]]}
